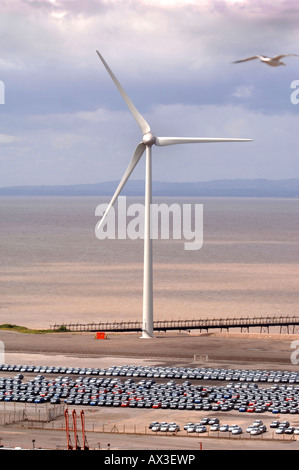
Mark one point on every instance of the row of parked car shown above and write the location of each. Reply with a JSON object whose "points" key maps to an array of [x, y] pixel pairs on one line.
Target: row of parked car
{"points": [[188, 373], [213, 425], [148, 393], [155, 426]]}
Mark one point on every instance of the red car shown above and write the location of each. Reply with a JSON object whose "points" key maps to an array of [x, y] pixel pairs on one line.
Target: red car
{"points": [[251, 409]]}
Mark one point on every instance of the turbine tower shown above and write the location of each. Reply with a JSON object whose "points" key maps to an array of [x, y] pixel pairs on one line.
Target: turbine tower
{"points": [[148, 140]]}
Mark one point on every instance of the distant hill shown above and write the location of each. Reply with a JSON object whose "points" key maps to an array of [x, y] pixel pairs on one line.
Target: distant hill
{"points": [[217, 188]]}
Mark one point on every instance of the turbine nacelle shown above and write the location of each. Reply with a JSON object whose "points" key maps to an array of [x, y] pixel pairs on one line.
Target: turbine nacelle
{"points": [[149, 139]]}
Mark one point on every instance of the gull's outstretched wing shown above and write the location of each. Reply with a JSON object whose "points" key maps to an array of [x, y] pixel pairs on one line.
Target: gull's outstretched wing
{"points": [[281, 56], [248, 58]]}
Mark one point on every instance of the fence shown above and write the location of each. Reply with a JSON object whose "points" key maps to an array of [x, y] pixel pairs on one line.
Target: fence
{"points": [[59, 425], [11, 417], [31, 414], [20, 420]]}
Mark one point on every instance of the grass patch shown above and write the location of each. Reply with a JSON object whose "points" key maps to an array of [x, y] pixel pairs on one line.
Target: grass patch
{"points": [[23, 329]]}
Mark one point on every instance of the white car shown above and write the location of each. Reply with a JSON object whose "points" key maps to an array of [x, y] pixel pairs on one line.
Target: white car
{"points": [[188, 425], [231, 427], [215, 427], [237, 430], [255, 431], [223, 428], [280, 430], [173, 427], [200, 429], [257, 422], [156, 428], [154, 423], [191, 428], [164, 427]]}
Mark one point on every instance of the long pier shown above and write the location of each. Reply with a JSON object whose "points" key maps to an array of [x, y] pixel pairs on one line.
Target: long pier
{"points": [[286, 324]]}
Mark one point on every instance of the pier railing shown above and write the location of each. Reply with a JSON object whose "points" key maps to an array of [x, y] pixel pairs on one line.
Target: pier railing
{"points": [[285, 324]]}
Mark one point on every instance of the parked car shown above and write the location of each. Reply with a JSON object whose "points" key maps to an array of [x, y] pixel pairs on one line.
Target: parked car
{"points": [[215, 427], [237, 430], [280, 430], [212, 421], [188, 425], [289, 430], [224, 428], [255, 431], [164, 427], [200, 429], [173, 427], [191, 429], [156, 427], [153, 423], [274, 424]]}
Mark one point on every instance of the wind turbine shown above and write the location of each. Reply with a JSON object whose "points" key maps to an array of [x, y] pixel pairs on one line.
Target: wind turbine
{"points": [[148, 140]]}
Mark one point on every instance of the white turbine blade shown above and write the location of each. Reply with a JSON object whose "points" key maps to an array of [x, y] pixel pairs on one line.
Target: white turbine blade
{"points": [[135, 159], [162, 141], [139, 119]]}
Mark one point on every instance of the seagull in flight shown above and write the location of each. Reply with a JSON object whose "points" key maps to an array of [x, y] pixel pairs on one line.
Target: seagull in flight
{"points": [[273, 61]]}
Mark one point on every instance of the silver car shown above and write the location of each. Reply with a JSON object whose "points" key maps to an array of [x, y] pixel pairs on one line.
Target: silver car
{"points": [[173, 428], [200, 429], [223, 428], [164, 427], [237, 430], [255, 431], [215, 427], [156, 428]]}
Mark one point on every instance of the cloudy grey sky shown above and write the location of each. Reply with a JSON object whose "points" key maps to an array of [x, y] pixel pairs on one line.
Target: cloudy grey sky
{"points": [[64, 122]]}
